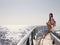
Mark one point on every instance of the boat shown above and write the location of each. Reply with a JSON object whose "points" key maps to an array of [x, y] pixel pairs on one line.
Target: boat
{"points": [[28, 35]]}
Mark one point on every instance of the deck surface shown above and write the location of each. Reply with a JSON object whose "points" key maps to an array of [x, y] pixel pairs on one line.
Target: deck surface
{"points": [[46, 41]]}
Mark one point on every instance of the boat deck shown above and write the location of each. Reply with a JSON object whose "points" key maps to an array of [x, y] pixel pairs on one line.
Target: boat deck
{"points": [[46, 41]]}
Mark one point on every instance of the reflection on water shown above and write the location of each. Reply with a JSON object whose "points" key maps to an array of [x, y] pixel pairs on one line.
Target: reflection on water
{"points": [[11, 35]]}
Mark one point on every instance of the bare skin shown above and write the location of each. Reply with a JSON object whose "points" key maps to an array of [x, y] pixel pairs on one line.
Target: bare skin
{"points": [[49, 26]]}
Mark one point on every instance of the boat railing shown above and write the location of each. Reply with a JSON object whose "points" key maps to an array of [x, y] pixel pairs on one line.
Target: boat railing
{"points": [[28, 38]]}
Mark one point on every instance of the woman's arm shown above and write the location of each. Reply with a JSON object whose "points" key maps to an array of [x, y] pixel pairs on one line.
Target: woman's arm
{"points": [[54, 23]]}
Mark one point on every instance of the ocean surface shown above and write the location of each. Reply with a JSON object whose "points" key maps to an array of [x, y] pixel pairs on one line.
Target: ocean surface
{"points": [[12, 34]]}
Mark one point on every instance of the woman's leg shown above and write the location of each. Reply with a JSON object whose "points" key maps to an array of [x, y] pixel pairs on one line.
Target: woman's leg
{"points": [[49, 28]]}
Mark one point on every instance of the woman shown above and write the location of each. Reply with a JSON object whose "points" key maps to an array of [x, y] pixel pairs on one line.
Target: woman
{"points": [[51, 23]]}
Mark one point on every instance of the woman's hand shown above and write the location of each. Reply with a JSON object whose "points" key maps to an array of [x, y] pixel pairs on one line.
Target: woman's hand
{"points": [[48, 23]]}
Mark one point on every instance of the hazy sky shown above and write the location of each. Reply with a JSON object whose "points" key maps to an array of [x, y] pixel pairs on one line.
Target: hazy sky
{"points": [[28, 12]]}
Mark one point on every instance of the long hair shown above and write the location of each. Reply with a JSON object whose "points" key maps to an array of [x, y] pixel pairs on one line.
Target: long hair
{"points": [[51, 15]]}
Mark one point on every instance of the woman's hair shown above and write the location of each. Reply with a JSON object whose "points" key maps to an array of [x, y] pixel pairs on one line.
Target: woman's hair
{"points": [[51, 14]]}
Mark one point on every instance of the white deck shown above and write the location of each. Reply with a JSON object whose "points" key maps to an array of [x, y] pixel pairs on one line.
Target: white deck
{"points": [[46, 41]]}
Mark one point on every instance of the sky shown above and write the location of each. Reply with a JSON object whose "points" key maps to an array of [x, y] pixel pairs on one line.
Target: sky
{"points": [[28, 12]]}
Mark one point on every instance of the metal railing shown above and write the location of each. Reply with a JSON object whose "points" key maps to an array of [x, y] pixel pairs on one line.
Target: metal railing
{"points": [[24, 40], [28, 38]]}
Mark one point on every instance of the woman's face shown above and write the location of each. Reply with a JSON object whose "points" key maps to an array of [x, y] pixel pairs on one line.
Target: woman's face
{"points": [[49, 15]]}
